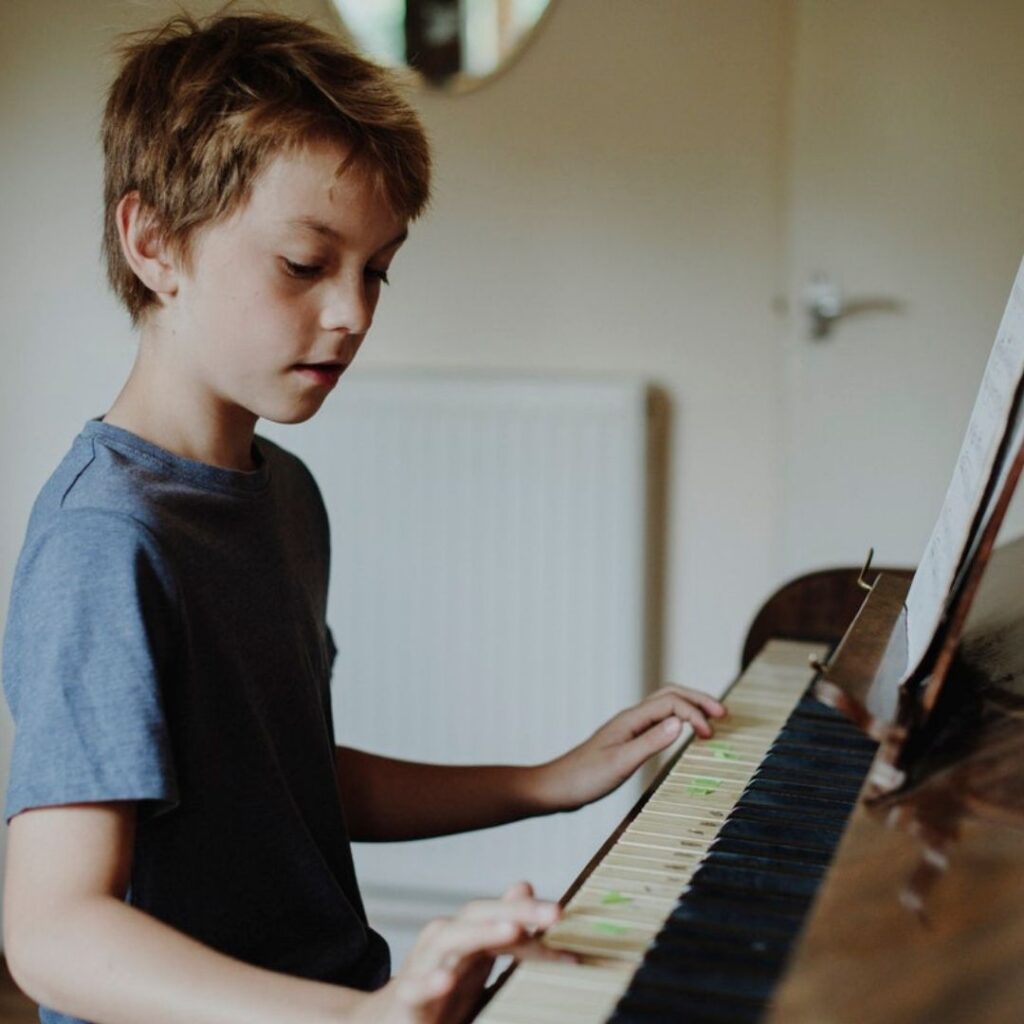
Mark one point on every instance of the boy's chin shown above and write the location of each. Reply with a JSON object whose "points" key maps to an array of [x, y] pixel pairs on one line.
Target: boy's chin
{"points": [[293, 414]]}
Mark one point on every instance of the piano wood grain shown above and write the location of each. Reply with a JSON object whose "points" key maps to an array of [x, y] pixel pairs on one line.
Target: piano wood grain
{"points": [[865, 957]]}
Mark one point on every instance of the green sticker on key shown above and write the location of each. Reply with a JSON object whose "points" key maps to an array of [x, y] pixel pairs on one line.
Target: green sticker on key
{"points": [[610, 928], [703, 785], [614, 897], [722, 750]]}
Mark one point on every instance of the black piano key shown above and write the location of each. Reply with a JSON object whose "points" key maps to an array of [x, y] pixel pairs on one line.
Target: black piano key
{"points": [[702, 989], [801, 794], [818, 725], [651, 1005], [831, 771], [824, 721], [642, 1013], [768, 799], [722, 948], [781, 854], [737, 981], [718, 854], [813, 765], [830, 737], [727, 961], [845, 762], [677, 946], [781, 834], [757, 806], [806, 759], [761, 881], [723, 915], [839, 786], [647, 1015], [634, 1014]]}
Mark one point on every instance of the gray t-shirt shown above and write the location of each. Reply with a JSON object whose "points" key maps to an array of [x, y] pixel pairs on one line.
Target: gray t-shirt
{"points": [[167, 644]]}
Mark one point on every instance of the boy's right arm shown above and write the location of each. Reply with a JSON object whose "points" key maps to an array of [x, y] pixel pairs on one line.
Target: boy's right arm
{"points": [[73, 944]]}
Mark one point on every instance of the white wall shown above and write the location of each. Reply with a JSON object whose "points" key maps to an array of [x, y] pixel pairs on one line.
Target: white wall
{"points": [[613, 203]]}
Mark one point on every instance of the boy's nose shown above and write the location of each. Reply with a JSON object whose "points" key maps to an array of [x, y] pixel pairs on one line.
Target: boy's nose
{"points": [[347, 308]]}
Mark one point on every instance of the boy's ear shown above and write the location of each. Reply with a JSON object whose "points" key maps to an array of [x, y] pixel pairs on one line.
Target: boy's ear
{"points": [[144, 246]]}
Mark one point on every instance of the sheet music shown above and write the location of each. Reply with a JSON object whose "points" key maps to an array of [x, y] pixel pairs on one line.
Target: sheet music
{"points": [[983, 455], [1014, 441]]}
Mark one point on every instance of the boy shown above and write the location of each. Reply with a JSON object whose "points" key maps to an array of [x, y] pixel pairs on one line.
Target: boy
{"points": [[180, 814]]}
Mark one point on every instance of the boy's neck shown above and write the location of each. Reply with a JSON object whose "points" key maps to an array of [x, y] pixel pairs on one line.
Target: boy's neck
{"points": [[160, 406]]}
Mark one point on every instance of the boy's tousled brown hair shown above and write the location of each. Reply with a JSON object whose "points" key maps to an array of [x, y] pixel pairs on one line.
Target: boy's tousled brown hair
{"points": [[198, 109]]}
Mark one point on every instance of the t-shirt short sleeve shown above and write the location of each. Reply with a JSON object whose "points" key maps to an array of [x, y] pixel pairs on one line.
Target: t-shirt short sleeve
{"points": [[86, 655]]}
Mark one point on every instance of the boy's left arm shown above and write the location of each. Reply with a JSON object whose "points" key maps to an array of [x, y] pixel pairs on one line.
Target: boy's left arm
{"points": [[389, 799]]}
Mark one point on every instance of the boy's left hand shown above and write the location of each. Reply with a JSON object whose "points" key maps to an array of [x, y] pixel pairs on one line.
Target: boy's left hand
{"points": [[622, 744]]}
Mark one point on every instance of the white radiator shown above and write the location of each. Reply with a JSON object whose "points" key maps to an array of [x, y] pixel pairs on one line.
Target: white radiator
{"points": [[487, 599]]}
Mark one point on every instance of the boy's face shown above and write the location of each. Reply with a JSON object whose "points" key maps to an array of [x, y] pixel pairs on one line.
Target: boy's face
{"points": [[277, 298]]}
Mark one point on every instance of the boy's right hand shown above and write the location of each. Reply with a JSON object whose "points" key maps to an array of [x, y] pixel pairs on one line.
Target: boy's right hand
{"points": [[441, 981]]}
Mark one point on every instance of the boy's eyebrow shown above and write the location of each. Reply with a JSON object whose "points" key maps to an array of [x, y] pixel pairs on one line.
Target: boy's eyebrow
{"points": [[325, 229]]}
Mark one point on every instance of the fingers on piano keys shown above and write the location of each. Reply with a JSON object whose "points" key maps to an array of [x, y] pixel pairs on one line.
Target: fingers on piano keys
{"points": [[621, 911]]}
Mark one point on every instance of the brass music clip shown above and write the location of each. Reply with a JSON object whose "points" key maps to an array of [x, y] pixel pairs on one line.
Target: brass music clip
{"points": [[819, 665], [861, 579]]}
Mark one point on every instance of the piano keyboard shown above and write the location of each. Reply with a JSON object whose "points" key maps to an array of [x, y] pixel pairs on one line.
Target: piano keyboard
{"points": [[743, 825]]}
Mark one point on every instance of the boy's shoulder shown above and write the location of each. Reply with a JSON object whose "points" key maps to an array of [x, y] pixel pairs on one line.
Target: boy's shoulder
{"points": [[111, 480], [108, 467], [88, 486]]}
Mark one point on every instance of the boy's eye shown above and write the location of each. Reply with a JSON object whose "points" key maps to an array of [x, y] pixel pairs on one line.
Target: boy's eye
{"points": [[304, 271], [377, 274]]}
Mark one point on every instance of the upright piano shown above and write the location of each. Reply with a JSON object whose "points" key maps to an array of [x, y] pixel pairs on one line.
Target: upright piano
{"points": [[793, 869], [849, 846]]}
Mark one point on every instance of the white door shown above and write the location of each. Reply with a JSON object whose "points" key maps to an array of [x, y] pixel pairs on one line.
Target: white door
{"points": [[907, 187]]}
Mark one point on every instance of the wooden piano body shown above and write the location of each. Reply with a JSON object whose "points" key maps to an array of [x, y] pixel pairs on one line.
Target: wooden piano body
{"points": [[915, 910]]}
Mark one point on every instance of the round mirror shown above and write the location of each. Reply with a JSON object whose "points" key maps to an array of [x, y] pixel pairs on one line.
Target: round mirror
{"points": [[451, 44]]}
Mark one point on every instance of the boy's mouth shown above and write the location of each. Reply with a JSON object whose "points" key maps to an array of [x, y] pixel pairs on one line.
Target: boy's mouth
{"points": [[321, 373]]}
